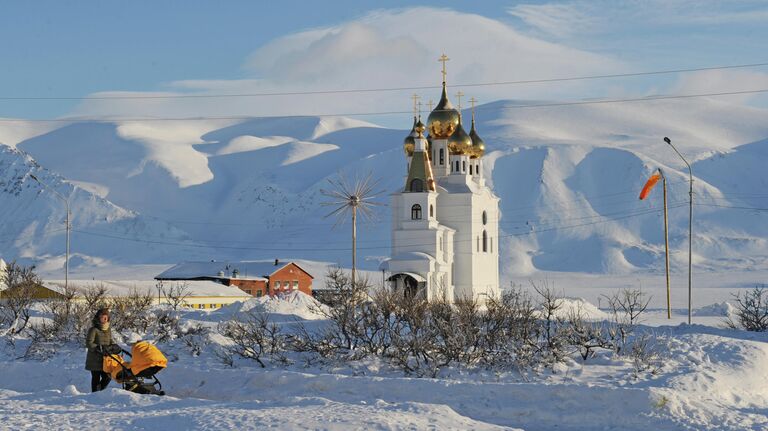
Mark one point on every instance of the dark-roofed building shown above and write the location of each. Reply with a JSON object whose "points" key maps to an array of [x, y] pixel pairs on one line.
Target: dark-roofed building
{"points": [[256, 278]]}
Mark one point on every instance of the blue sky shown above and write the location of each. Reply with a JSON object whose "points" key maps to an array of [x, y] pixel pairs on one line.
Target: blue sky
{"points": [[72, 49]]}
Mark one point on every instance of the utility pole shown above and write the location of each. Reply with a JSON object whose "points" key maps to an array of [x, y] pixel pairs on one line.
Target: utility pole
{"points": [[66, 203], [666, 243], [690, 224]]}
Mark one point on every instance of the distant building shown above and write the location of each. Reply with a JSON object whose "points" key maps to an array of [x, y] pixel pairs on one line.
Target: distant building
{"points": [[199, 294], [254, 278]]}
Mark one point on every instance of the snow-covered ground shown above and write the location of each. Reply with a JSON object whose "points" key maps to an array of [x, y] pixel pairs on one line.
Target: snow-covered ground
{"points": [[711, 379]]}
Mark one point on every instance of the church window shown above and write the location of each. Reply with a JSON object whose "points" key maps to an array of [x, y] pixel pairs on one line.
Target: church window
{"points": [[485, 217], [478, 169], [442, 156], [431, 210], [457, 166], [485, 242], [416, 212], [433, 154], [470, 169], [417, 185], [464, 166]]}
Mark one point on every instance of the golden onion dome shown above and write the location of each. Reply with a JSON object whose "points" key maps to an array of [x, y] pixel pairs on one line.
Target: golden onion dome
{"points": [[459, 142], [419, 128], [444, 119], [410, 141], [478, 145]]}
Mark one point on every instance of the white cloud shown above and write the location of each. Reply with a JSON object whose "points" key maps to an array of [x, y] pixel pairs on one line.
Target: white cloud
{"points": [[383, 49], [566, 19], [720, 81]]}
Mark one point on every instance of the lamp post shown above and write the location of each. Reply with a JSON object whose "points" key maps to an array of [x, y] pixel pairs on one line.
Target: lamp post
{"points": [[690, 223], [66, 203]]}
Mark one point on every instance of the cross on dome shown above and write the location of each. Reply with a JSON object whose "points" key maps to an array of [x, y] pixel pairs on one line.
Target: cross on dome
{"points": [[443, 58]]}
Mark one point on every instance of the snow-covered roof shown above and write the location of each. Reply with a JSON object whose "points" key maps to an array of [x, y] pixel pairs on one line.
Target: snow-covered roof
{"points": [[247, 270], [124, 287]]}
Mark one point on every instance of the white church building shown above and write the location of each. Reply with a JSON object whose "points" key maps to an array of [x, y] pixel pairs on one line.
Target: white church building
{"points": [[445, 219]]}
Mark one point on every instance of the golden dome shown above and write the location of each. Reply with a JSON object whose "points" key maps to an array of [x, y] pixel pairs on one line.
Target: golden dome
{"points": [[444, 119], [478, 145], [410, 141], [459, 142]]}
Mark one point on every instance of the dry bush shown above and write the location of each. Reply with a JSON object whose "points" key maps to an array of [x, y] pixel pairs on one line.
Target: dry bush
{"points": [[175, 294], [131, 313], [626, 305], [751, 310], [254, 337], [555, 332], [17, 299]]}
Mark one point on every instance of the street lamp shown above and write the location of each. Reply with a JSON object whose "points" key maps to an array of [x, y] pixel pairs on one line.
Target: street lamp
{"points": [[690, 222], [66, 202]]}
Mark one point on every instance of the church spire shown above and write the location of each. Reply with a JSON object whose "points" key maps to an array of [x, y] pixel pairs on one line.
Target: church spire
{"points": [[420, 178]]}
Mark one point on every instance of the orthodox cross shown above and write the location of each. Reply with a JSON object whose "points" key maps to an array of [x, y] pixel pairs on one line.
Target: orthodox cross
{"points": [[430, 103], [419, 104], [459, 95], [415, 98], [472, 101], [443, 58]]}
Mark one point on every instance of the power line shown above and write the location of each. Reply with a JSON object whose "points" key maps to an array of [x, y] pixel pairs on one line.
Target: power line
{"points": [[372, 113], [197, 245], [383, 89]]}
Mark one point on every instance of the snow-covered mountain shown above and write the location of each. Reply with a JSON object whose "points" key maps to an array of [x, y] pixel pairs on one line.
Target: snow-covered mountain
{"points": [[163, 191]]}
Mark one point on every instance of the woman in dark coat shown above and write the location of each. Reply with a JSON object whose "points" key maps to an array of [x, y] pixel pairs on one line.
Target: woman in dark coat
{"points": [[97, 340]]}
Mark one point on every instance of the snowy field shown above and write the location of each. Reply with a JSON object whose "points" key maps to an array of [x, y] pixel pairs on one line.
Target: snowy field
{"points": [[711, 379]]}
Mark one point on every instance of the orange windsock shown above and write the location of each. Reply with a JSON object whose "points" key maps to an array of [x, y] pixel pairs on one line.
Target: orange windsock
{"points": [[649, 185]]}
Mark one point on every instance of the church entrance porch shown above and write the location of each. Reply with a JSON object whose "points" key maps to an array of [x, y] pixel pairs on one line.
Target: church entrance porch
{"points": [[411, 284]]}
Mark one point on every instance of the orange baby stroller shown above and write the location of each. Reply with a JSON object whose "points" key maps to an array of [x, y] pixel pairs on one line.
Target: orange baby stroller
{"points": [[146, 361]]}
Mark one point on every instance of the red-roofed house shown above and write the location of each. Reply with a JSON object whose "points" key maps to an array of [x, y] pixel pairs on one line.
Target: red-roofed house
{"points": [[253, 278]]}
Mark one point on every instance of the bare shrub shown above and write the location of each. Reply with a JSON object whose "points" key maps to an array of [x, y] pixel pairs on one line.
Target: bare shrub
{"points": [[16, 300], [751, 310], [345, 313], [195, 338], [647, 353], [175, 294], [555, 331], [587, 336], [131, 312], [254, 337], [627, 305], [511, 330]]}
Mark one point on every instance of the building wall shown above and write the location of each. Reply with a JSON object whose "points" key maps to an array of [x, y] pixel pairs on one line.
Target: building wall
{"points": [[254, 288], [295, 278]]}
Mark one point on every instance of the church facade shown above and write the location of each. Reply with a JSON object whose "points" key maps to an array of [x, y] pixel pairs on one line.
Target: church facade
{"points": [[445, 219]]}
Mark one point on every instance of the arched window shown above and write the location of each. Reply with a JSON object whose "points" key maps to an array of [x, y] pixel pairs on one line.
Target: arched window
{"points": [[431, 210], [470, 169], [477, 169], [485, 242], [442, 156], [416, 212], [417, 185], [457, 166], [485, 217], [464, 166]]}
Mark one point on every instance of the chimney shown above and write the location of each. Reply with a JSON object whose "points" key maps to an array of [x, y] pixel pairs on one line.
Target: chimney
{"points": [[277, 261]]}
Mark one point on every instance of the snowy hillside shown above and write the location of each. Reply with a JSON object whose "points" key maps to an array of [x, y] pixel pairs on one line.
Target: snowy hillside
{"points": [[568, 178], [33, 220]]}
